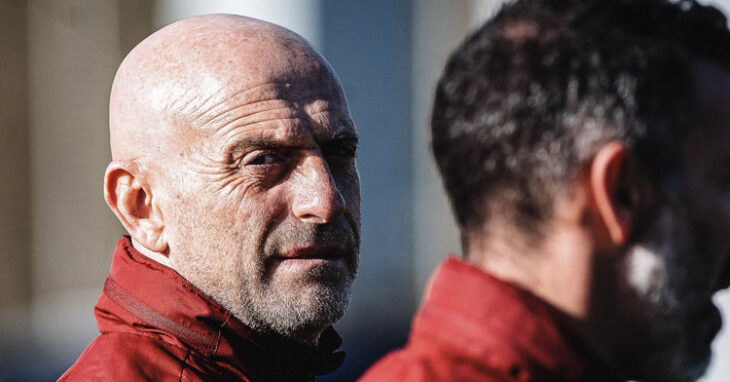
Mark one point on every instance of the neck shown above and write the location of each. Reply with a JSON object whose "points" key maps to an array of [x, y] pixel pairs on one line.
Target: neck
{"points": [[156, 256], [558, 270], [562, 270]]}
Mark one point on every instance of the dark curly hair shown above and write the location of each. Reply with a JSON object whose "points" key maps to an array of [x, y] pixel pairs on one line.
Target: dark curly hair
{"points": [[531, 96]]}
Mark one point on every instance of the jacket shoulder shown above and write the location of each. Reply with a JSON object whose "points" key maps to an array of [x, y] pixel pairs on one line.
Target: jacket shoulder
{"points": [[407, 365], [130, 357]]}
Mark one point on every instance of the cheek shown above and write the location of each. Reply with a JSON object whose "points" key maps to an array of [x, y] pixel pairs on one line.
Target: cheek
{"points": [[226, 218], [237, 201], [349, 185], [350, 189]]}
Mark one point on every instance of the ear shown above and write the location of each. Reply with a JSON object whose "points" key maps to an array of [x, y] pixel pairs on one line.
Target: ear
{"points": [[134, 206], [615, 191]]}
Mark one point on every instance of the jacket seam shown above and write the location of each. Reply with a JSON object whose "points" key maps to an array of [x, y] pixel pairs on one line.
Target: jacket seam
{"points": [[154, 318], [151, 336], [220, 335], [184, 365]]}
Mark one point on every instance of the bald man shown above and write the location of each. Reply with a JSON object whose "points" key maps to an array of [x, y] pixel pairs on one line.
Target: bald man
{"points": [[234, 174]]}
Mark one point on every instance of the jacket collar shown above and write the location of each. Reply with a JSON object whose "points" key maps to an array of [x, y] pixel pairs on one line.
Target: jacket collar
{"points": [[155, 298], [507, 327]]}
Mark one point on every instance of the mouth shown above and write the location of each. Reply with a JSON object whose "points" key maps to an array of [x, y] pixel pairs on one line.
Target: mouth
{"points": [[312, 252], [303, 258]]}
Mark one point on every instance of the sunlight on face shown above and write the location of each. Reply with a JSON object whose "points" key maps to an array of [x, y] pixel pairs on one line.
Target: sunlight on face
{"points": [[263, 205]]}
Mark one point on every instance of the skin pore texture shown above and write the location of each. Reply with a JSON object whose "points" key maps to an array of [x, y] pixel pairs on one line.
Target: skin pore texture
{"points": [[634, 265], [234, 164]]}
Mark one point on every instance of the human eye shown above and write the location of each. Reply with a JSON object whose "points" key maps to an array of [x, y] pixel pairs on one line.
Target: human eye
{"points": [[266, 166], [340, 151], [262, 160]]}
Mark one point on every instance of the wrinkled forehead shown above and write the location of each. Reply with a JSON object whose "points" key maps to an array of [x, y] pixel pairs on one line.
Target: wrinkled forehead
{"points": [[244, 73], [287, 96], [199, 75]]}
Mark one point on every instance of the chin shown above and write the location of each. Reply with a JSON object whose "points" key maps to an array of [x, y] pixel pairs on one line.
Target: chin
{"points": [[299, 311], [680, 349], [696, 355], [684, 368], [698, 369]]}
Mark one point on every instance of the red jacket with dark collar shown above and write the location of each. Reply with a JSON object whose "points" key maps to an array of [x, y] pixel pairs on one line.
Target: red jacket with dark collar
{"points": [[156, 326], [473, 327]]}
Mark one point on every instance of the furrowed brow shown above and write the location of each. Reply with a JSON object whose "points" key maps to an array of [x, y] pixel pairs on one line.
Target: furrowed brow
{"points": [[249, 144], [345, 137], [345, 132]]}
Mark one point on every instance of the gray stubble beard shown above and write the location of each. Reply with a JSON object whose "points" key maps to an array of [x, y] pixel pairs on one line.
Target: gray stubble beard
{"points": [[300, 312], [654, 268]]}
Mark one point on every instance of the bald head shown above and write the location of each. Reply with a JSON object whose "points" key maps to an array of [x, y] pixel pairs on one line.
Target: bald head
{"points": [[180, 77], [234, 164]]}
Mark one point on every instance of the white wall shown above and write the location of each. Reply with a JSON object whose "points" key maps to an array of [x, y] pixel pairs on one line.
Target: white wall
{"points": [[303, 17], [73, 52]]}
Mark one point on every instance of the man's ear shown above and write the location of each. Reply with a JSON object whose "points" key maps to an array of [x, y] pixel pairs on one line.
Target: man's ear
{"points": [[616, 191], [134, 206]]}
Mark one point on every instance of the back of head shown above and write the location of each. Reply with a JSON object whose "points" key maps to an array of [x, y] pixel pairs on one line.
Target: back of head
{"points": [[527, 99]]}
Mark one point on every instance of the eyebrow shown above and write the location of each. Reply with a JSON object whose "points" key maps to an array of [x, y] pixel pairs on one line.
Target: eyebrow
{"points": [[247, 144], [345, 136]]}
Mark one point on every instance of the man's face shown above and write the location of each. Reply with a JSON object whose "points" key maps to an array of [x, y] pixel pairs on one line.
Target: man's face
{"points": [[262, 203], [683, 259]]}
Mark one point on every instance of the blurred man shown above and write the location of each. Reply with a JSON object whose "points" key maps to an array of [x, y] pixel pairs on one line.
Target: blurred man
{"points": [[234, 173], [584, 145]]}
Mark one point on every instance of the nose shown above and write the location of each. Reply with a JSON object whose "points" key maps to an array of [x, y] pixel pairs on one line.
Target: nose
{"points": [[317, 199]]}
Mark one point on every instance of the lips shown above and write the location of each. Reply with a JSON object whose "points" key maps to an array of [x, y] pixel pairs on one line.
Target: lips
{"points": [[312, 251], [311, 261]]}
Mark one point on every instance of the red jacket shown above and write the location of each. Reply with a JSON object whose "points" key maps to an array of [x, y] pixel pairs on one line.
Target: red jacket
{"points": [[156, 326], [474, 327]]}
